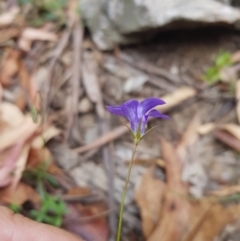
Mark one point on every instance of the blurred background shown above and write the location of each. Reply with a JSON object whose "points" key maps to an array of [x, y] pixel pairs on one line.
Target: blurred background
{"points": [[64, 158]]}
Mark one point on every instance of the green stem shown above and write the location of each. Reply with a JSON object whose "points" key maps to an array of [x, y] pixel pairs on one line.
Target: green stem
{"points": [[124, 194]]}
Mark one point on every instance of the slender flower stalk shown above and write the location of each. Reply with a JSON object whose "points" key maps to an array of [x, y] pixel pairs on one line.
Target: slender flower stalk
{"points": [[124, 193], [137, 114]]}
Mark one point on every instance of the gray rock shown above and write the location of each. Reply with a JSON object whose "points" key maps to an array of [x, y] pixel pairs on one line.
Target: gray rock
{"points": [[120, 21]]}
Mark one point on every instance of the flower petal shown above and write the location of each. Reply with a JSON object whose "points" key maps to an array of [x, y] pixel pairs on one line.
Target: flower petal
{"points": [[116, 110], [155, 113], [143, 124], [147, 104], [129, 110]]}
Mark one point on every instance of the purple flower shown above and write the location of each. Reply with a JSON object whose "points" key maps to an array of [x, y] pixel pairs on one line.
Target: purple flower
{"points": [[138, 113]]}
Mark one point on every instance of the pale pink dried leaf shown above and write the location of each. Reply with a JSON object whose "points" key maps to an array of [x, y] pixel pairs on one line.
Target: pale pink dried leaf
{"points": [[20, 165], [8, 159], [8, 17], [231, 128], [22, 132], [206, 128], [34, 34], [176, 97]]}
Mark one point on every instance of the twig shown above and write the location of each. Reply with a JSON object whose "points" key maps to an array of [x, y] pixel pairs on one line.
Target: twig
{"points": [[104, 139], [57, 53], [108, 167], [77, 43], [228, 139], [149, 68], [93, 217]]}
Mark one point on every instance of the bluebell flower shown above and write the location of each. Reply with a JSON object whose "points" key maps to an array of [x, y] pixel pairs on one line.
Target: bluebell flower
{"points": [[138, 113]]}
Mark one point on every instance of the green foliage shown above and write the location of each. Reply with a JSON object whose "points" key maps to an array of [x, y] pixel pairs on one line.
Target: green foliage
{"points": [[39, 175], [51, 211], [52, 208], [15, 208], [44, 11], [212, 74]]}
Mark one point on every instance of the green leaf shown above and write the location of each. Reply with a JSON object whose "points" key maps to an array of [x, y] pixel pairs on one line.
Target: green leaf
{"points": [[15, 208]]}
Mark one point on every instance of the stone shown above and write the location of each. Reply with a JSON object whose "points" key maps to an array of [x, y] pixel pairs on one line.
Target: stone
{"points": [[127, 21]]}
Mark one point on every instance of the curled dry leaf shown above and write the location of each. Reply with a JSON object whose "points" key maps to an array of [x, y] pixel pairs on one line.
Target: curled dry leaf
{"points": [[11, 115], [8, 159], [95, 226], [208, 219], [45, 136], [10, 66], [149, 197], [8, 17], [19, 195], [33, 34], [20, 165], [226, 191], [233, 129], [228, 139], [206, 128], [177, 97], [22, 132], [37, 156]]}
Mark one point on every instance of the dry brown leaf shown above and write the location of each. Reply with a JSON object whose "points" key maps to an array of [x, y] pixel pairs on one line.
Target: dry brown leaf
{"points": [[11, 115], [20, 165], [8, 17], [10, 66], [79, 191], [189, 137], [23, 132], [37, 156], [177, 97], [226, 191], [19, 195], [176, 208], [20, 100], [228, 139], [149, 197], [237, 94], [45, 136], [33, 34], [206, 128], [96, 225], [208, 218], [90, 81], [8, 159], [9, 33], [231, 128]]}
